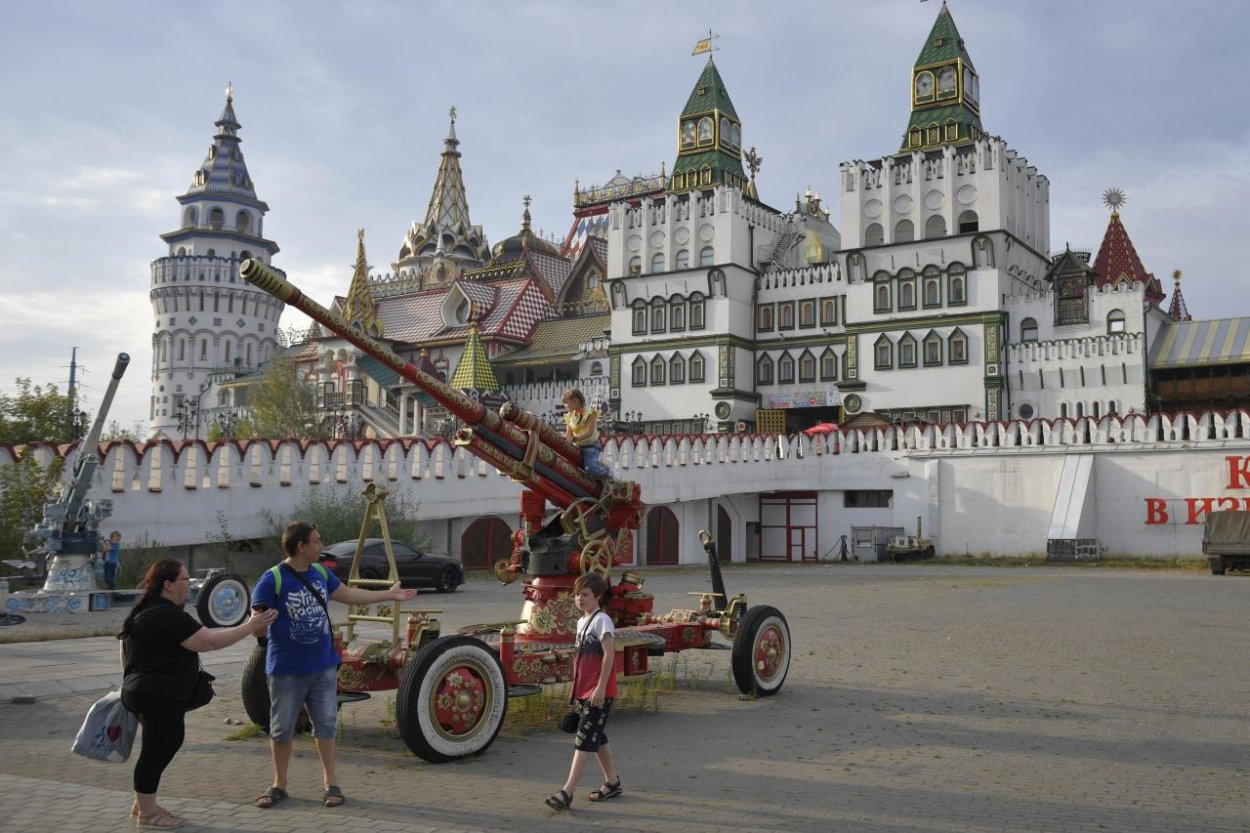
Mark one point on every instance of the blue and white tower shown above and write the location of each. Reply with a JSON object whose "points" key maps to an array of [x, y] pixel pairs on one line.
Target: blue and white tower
{"points": [[210, 324]]}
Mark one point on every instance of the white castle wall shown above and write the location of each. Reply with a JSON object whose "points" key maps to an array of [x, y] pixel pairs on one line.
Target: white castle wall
{"points": [[978, 487]]}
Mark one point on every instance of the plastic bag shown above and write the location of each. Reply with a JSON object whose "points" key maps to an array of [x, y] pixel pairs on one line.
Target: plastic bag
{"points": [[109, 731]]}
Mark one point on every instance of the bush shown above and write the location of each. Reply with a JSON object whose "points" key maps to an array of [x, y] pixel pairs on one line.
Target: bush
{"points": [[339, 514]]}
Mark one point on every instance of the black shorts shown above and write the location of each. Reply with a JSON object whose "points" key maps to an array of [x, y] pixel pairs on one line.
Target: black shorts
{"points": [[590, 725]]}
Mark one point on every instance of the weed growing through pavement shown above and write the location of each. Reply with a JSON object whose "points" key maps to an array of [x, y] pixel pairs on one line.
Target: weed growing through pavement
{"points": [[248, 732]]}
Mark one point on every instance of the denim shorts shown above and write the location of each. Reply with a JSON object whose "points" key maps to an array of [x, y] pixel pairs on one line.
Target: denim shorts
{"points": [[318, 691]]}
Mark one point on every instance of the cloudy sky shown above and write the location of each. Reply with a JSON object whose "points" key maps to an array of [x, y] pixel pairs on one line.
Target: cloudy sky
{"points": [[109, 110]]}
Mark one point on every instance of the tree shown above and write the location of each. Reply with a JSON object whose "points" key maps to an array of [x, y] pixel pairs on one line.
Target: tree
{"points": [[283, 405], [25, 486], [37, 413]]}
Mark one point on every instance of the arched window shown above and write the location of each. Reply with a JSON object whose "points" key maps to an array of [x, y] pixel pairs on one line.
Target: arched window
{"points": [[906, 289], [1028, 330], [957, 284], [182, 350], [640, 317], [874, 235], [1097, 409], [696, 311], [596, 368], [932, 287], [215, 218], [904, 232], [932, 349], [807, 367], [677, 370], [881, 300], [785, 369], [243, 222], [1112, 408], [697, 371], [968, 222], [907, 351], [182, 251], [189, 217], [1063, 410], [1080, 410], [635, 265], [683, 259], [707, 256], [638, 371], [957, 347], [657, 371], [883, 353], [935, 227], [828, 366], [657, 263], [1115, 321], [676, 313], [209, 253], [658, 308], [764, 371]]}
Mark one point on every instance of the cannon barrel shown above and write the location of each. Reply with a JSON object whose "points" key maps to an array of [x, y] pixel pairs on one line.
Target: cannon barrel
{"points": [[88, 455], [551, 466]]}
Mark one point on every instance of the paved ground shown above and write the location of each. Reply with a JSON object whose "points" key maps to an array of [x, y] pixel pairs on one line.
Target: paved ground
{"points": [[920, 699]]}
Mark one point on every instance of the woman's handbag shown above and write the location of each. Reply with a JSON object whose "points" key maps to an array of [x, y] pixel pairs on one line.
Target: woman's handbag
{"points": [[108, 733], [203, 692]]}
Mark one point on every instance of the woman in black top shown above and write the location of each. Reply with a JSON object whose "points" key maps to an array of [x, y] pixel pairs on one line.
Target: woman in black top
{"points": [[159, 643]]}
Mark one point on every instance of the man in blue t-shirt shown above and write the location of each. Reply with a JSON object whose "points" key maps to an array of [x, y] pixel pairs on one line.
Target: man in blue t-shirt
{"points": [[302, 664]]}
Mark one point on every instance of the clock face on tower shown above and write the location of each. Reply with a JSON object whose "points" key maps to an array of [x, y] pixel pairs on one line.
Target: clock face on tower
{"points": [[946, 81], [924, 85]]}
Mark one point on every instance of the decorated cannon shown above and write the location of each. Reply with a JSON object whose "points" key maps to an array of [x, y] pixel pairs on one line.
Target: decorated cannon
{"points": [[452, 691]]}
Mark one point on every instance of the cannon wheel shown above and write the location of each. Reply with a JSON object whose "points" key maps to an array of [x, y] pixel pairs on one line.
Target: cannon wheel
{"points": [[452, 699], [256, 688], [223, 601], [761, 651]]}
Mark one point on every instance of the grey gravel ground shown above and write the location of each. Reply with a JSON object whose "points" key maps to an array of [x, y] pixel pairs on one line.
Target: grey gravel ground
{"points": [[920, 698]]}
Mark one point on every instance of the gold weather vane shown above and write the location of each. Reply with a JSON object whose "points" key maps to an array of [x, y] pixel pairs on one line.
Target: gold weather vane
{"points": [[705, 44]]}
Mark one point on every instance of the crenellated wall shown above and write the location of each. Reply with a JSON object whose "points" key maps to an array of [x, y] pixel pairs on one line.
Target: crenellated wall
{"points": [[978, 487]]}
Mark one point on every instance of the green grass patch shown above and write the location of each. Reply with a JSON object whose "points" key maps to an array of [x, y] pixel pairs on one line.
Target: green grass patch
{"points": [[248, 732]]}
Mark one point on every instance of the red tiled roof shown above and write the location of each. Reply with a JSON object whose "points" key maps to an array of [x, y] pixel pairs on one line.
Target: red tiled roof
{"points": [[1117, 261]]}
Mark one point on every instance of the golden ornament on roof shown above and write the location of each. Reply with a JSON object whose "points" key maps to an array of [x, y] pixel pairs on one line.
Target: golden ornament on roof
{"points": [[1113, 198]]}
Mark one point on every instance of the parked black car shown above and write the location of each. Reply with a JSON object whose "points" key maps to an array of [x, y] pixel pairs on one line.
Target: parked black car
{"points": [[415, 568]]}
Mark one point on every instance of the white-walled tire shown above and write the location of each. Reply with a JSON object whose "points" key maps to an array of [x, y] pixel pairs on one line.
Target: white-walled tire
{"points": [[452, 699], [761, 651], [223, 602]]}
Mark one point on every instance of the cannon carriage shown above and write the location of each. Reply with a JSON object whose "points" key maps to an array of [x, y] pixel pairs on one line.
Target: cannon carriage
{"points": [[453, 691]]}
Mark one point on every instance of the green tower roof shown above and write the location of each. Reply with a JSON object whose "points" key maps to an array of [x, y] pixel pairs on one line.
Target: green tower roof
{"points": [[709, 94], [709, 145], [946, 110]]}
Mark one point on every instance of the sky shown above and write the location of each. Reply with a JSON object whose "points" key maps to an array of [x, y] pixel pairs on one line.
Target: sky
{"points": [[109, 109]]}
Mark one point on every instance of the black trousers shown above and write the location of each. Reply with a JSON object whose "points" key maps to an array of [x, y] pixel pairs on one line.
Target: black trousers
{"points": [[164, 728]]}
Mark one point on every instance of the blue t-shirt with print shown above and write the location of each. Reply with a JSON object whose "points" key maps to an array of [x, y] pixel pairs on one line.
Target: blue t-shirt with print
{"points": [[300, 639]]}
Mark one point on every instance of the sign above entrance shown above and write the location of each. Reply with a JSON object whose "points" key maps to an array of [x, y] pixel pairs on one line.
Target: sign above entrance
{"points": [[803, 399]]}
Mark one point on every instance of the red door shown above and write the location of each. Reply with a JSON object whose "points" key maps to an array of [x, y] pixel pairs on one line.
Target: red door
{"points": [[662, 537], [485, 541]]}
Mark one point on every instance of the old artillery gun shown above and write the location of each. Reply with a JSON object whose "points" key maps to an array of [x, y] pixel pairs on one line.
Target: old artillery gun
{"points": [[452, 691]]}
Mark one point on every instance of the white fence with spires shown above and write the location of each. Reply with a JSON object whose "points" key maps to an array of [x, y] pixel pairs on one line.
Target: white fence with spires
{"points": [[959, 478]]}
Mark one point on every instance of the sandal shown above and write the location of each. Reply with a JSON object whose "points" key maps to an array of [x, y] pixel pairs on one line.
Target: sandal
{"points": [[270, 798], [560, 801], [160, 811], [333, 797], [607, 791], [159, 821]]}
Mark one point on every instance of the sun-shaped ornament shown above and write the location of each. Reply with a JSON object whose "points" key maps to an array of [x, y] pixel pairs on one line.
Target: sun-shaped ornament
{"points": [[1113, 198]]}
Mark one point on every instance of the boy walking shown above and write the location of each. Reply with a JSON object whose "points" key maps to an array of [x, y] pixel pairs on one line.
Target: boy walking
{"points": [[112, 559], [594, 689]]}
